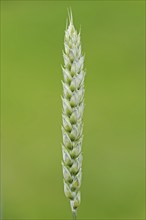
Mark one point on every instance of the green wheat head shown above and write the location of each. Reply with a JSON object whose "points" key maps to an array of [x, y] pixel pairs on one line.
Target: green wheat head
{"points": [[72, 116]]}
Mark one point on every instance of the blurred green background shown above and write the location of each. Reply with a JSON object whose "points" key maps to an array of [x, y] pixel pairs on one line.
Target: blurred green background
{"points": [[113, 149]]}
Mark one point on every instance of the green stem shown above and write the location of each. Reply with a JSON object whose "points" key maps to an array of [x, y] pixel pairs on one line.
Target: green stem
{"points": [[74, 215]]}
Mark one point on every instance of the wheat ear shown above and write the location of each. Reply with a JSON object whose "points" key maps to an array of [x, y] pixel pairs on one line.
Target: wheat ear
{"points": [[72, 116]]}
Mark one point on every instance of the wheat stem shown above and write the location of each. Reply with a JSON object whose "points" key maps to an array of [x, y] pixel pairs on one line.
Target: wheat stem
{"points": [[74, 214]]}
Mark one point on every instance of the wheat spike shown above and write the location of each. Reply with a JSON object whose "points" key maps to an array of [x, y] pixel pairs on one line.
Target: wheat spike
{"points": [[72, 115]]}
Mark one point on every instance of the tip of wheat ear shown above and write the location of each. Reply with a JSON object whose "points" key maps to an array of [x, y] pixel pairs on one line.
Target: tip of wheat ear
{"points": [[70, 17], [72, 114]]}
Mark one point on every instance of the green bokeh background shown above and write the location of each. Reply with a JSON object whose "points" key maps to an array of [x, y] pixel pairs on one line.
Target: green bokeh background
{"points": [[113, 167]]}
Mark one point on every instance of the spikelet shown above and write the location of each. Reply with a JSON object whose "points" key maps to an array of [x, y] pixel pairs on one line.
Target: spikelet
{"points": [[72, 116]]}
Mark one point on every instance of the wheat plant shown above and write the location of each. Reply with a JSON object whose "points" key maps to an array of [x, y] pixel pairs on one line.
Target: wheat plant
{"points": [[72, 115]]}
